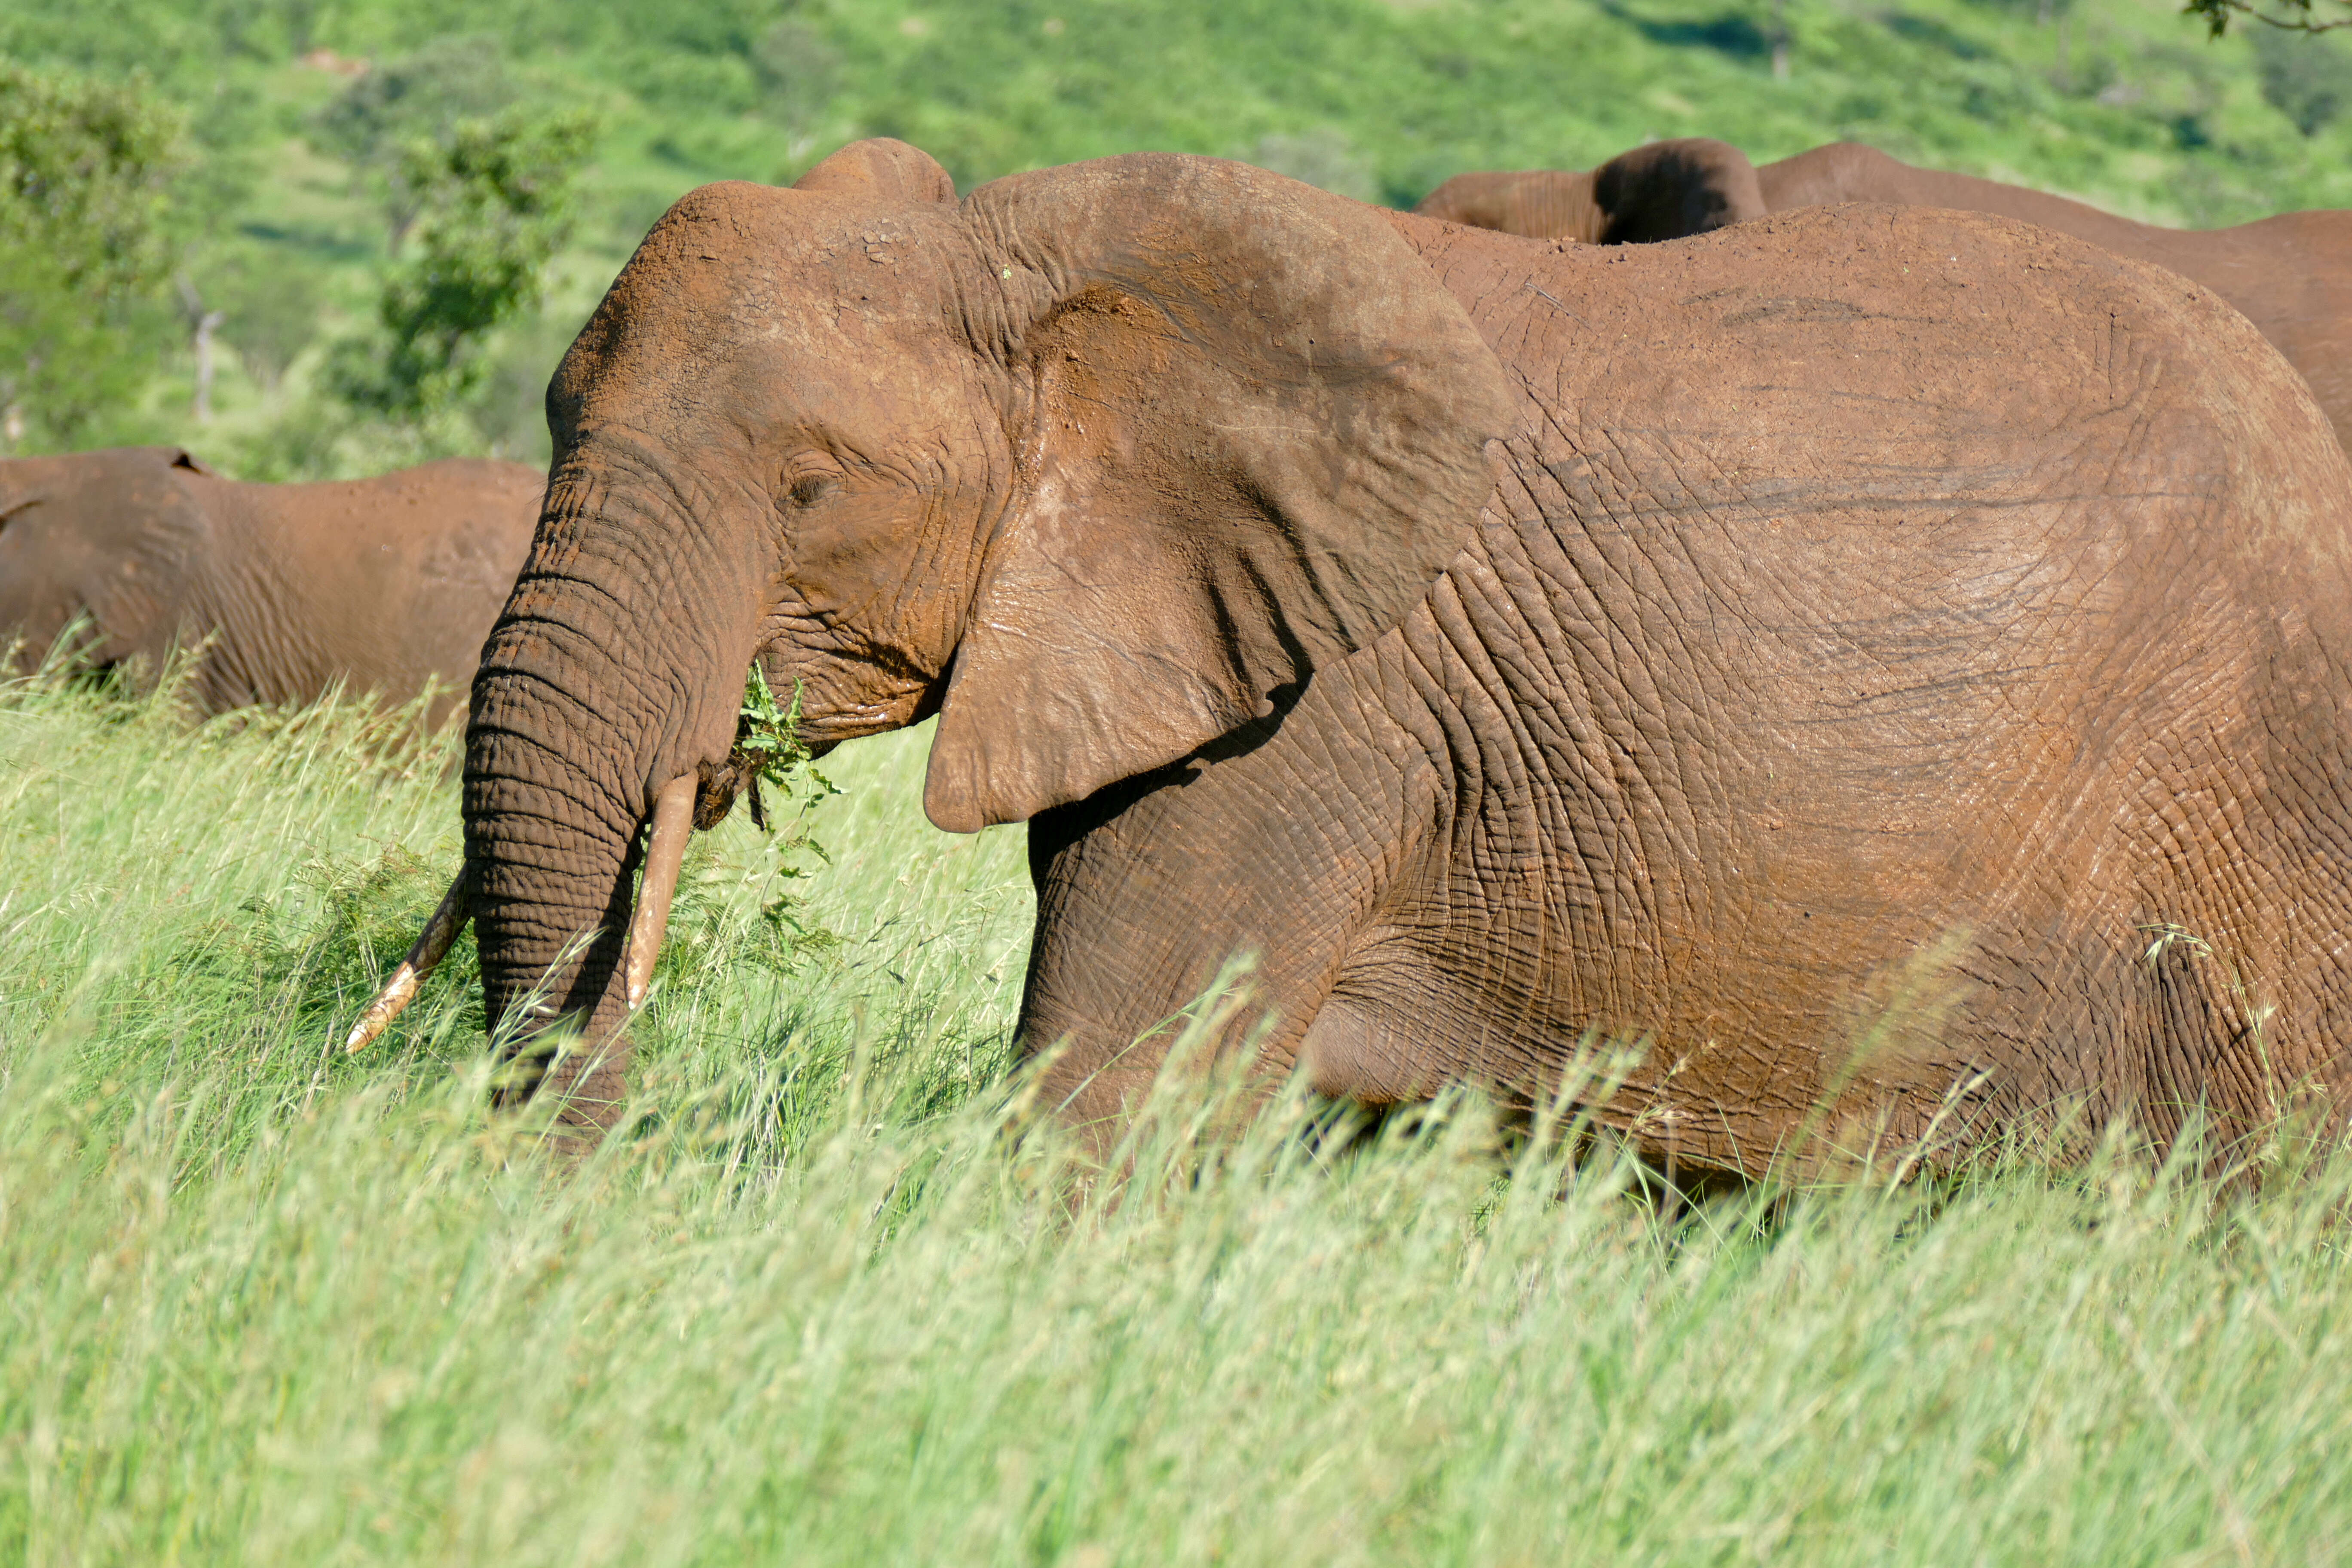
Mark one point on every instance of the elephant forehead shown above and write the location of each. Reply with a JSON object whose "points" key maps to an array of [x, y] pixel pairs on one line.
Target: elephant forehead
{"points": [[842, 308], [737, 246]]}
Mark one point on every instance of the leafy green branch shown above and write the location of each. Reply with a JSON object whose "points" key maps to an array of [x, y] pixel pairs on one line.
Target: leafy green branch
{"points": [[497, 200], [2290, 15], [769, 747], [769, 738]]}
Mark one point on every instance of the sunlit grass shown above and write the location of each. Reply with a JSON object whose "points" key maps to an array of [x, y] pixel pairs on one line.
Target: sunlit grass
{"points": [[837, 1298]]}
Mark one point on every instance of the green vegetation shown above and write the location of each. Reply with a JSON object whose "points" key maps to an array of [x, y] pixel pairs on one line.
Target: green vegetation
{"points": [[270, 1304], [486, 207], [2283, 15], [83, 171], [2309, 80], [267, 1304], [317, 132]]}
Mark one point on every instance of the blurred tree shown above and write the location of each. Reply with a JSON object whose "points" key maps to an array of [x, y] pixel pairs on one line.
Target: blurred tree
{"points": [[800, 75], [425, 96], [509, 410], [1323, 157], [2287, 15], [85, 246], [269, 303], [495, 203], [2309, 80], [204, 319], [267, 29]]}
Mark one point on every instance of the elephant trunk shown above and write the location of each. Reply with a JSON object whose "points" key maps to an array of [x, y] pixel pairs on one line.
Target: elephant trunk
{"points": [[607, 692]]}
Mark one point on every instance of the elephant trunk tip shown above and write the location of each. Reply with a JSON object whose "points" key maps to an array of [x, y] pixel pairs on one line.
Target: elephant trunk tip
{"points": [[673, 823]]}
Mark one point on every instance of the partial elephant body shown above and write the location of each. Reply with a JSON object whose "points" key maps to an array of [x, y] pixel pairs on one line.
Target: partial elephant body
{"points": [[2291, 275], [379, 584], [1541, 203], [1666, 190], [1925, 693], [1799, 712]]}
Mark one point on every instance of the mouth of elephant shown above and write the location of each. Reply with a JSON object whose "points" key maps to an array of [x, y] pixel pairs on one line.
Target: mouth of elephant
{"points": [[739, 774], [910, 697]]}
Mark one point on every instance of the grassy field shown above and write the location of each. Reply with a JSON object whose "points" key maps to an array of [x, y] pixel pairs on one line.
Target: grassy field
{"points": [[268, 1304], [836, 1297]]}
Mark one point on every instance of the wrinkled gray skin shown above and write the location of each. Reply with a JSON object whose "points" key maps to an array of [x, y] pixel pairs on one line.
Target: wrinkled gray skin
{"points": [[1514, 644], [380, 585]]}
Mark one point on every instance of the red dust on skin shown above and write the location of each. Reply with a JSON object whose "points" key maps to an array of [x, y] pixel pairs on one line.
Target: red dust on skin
{"points": [[2291, 275], [1514, 644], [380, 585]]}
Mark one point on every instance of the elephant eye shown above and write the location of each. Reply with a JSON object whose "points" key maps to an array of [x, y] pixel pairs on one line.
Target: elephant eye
{"points": [[810, 488]]}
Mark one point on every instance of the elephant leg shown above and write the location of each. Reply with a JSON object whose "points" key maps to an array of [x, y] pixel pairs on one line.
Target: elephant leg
{"points": [[1149, 889], [586, 1080]]}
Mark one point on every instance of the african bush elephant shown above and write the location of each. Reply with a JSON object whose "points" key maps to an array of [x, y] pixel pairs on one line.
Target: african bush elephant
{"points": [[380, 584], [1663, 190], [2290, 274], [1512, 645]]}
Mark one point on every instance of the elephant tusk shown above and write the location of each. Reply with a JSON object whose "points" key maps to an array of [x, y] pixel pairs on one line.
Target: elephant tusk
{"points": [[431, 946], [664, 851]]}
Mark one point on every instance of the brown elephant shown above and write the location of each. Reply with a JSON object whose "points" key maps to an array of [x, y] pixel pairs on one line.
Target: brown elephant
{"points": [[1924, 694], [380, 584], [1663, 190], [2290, 274]]}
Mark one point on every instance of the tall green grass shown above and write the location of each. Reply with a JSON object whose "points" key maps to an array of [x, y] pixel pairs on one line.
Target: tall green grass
{"points": [[837, 1297]]}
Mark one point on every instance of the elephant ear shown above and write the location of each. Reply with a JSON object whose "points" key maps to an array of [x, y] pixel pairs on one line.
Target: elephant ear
{"points": [[1671, 190], [883, 168], [1254, 437]]}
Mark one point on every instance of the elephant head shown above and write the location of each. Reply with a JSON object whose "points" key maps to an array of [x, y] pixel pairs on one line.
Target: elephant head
{"points": [[1671, 190], [1665, 190], [103, 537], [1098, 465]]}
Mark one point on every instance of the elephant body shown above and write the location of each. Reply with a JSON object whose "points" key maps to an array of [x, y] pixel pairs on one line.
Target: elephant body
{"points": [[1798, 712], [2291, 274], [1664, 190], [1540, 204], [380, 585], [1922, 696]]}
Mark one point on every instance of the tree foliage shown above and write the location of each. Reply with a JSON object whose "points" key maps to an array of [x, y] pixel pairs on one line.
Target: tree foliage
{"points": [[496, 202], [2287, 15], [425, 96], [2309, 80], [269, 304], [85, 246], [799, 74]]}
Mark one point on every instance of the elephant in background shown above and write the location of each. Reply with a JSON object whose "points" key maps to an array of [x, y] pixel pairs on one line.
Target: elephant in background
{"points": [[2291, 274], [377, 584], [1513, 644], [1664, 190]]}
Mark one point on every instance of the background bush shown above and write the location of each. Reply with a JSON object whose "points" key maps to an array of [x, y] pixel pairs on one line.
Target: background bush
{"points": [[306, 131]]}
